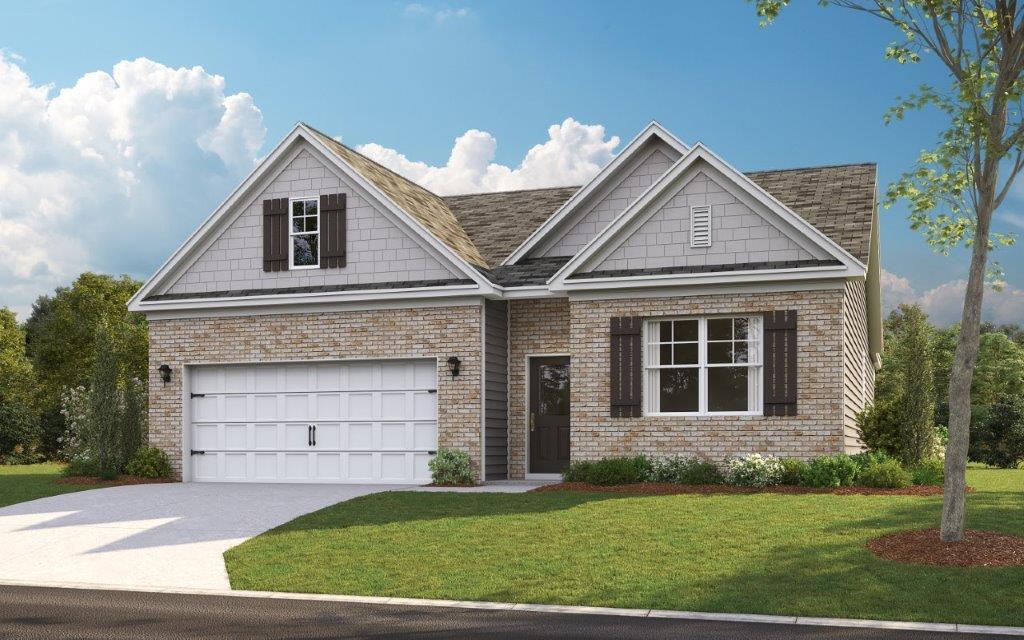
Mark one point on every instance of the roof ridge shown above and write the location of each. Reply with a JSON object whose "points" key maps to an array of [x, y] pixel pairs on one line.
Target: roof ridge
{"points": [[820, 166], [489, 193], [369, 159]]}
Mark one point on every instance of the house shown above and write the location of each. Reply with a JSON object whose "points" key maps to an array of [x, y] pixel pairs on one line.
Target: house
{"points": [[332, 321]]}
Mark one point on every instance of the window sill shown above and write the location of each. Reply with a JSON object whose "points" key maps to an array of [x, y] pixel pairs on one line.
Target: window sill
{"points": [[304, 267], [709, 414]]}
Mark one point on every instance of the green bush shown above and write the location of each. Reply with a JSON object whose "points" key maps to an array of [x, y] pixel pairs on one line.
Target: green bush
{"points": [[81, 464], [149, 462], [831, 471], [610, 471], [451, 467], [793, 471], [867, 458], [885, 474], [680, 470], [879, 427], [19, 434], [997, 433], [931, 471]]}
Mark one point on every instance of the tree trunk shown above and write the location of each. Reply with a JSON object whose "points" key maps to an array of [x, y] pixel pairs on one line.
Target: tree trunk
{"points": [[964, 359]]}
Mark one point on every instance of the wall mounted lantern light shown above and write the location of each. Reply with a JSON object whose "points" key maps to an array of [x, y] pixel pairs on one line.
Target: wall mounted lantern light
{"points": [[453, 365], [165, 373]]}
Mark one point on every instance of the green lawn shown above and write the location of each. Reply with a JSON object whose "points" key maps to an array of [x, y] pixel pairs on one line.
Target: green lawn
{"points": [[761, 553], [21, 482]]}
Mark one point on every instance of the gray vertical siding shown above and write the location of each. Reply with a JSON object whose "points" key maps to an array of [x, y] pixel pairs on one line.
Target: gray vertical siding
{"points": [[496, 390]]}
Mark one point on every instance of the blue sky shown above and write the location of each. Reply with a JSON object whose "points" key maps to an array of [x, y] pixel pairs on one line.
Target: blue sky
{"points": [[809, 90]]}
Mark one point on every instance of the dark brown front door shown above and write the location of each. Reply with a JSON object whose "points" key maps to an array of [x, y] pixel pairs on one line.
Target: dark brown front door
{"points": [[549, 414]]}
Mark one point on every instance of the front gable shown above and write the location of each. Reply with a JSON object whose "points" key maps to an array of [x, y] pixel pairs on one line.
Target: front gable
{"points": [[378, 250], [744, 230]]}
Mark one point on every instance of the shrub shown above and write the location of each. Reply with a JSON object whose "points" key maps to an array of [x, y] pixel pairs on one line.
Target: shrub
{"points": [[755, 470], [81, 463], [879, 427], [793, 471], [611, 471], [930, 471], [997, 433], [451, 467], [19, 434], [831, 471], [867, 458], [680, 470], [149, 462], [885, 474], [103, 413]]}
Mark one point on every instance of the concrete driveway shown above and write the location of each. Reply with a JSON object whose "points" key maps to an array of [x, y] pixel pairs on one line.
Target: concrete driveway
{"points": [[156, 535]]}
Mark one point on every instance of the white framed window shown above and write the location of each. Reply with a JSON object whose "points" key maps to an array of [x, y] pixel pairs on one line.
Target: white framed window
{"points": [[700, 226], [304, 233], [703, 366]]}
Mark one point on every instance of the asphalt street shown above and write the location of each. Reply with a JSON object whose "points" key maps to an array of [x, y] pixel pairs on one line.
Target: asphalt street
{"points": [[38, 612]]}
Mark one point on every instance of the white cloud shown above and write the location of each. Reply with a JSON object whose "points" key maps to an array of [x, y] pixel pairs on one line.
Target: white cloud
{"points": [[110, 173], [944, 303], [572, 155], [1015, 219], [440, 15]]}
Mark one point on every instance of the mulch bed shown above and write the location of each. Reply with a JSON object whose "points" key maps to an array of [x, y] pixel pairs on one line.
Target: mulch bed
{"points": [[977, 549], [121, 480], [666, 488]]}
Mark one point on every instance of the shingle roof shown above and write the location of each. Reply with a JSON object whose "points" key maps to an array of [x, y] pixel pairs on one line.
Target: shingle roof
{"points": [[499, 222], [530, 271], [705, 268], [429, 209], [838, 200]]}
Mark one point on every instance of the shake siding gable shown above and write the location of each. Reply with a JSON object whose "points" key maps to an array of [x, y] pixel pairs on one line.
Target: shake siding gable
{"points": [[377, 249]]}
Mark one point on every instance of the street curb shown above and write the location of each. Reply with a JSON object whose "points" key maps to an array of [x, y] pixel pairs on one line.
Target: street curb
{"points": [[549, 608]]}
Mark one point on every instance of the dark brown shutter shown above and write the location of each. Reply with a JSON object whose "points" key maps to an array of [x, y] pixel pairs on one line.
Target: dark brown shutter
{"points": [[780, 363], [332, 230], [625, 367], [275, 234]]}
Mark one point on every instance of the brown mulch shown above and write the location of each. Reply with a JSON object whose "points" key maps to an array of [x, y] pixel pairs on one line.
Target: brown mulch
{"points": [[977, 549], [667, 488], [121, 480]]}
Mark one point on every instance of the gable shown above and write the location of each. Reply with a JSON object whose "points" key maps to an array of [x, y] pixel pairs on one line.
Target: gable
{"points": [[616, 196], [378, 250], [739, 234]]}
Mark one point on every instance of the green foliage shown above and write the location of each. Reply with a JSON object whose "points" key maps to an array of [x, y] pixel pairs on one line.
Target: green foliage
{"points": [[103, 413], [793, 471], [82, 465], [610, 471], [681, 470], [997, 433], [931, 471], [19, 433], [451, 467], [755, 470], [1000, 369], [19, 425], [885, 473], [133, 417], [149, 462], [61, 339], [879, 426], [831, 471]]}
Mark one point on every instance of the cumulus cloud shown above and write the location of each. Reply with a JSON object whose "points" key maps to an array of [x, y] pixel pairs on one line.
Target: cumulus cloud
{"points": [[572, 155], [944, 303], [440, 15], [111, 173]]}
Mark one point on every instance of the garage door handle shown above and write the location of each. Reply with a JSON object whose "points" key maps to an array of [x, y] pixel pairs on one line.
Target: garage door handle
{"points": [[309, 436], [314, 435], [197, 453]]}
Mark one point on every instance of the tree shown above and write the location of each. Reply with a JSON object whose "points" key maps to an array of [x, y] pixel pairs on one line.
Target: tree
{"points": [[19, 428], [1000, 370], [61, 339], [968, 174]]}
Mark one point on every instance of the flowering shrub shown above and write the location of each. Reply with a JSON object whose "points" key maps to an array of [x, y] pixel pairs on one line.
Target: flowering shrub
{"points": [[451, 467], [755, 470], [680, 470], [73, 406]]}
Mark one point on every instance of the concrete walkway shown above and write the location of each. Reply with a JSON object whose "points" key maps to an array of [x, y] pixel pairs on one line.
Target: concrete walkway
{"points": [[157, 535]]}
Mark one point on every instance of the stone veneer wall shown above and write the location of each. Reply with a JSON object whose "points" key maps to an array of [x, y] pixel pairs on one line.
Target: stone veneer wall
{"points": [[536, 327], [816, 430], [436, 332]]}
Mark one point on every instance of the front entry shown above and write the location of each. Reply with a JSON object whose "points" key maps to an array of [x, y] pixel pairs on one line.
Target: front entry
{"points": [[549, 414]]}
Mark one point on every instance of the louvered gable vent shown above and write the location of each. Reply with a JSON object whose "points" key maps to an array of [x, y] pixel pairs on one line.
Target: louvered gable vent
{"points": [[700, 226]]}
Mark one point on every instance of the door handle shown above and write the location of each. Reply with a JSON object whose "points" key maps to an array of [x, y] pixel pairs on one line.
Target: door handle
{"points": [[309, 436], [314, 435], [533, 420]]}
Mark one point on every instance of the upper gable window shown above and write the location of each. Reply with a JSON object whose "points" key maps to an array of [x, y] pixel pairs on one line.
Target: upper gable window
{"points": [[304, 232]]}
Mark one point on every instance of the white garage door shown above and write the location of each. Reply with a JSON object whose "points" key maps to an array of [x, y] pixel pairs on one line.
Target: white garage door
{"points": [[316, 422]]}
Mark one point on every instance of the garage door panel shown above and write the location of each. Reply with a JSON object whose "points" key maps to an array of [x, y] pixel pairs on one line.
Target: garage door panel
{"points": [[375, 422]]}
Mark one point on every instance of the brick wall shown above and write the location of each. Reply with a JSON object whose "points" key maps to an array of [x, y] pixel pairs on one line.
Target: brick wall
{"points": [[536, 327], [436, 332], [816, 430]]}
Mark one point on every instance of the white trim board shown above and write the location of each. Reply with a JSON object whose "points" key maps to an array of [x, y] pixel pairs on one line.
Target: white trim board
{"points": [[625, 157], [666, 187]]}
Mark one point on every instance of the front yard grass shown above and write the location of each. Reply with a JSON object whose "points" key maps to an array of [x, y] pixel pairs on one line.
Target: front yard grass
{"points": [[21, 482], [760, 553]]}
